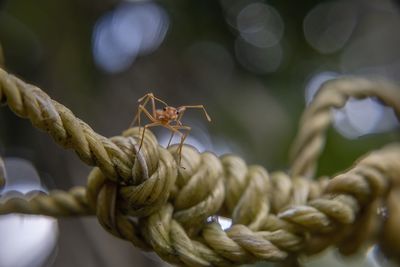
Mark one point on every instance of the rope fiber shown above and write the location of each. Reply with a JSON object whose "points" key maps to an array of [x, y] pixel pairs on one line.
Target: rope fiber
{"points": [[147, 199]]}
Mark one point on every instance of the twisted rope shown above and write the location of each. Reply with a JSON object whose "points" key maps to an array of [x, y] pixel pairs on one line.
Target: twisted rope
{"points": [[28, 101], [58, 203], [333, 94], [148, 200]]}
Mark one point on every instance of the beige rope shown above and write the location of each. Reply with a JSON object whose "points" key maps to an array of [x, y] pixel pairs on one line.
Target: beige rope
{"points": [[147, 199], [28, 101], [310, 140], [58, 203]]}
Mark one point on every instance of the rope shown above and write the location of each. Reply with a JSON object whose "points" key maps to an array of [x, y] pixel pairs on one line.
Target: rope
{"points": [[58, 203], [147, 199], [310, 140]]}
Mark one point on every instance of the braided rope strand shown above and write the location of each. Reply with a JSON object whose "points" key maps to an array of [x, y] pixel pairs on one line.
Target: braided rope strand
{"points": [[310, 139], [57, 204], [28, 101], [147, 199]]}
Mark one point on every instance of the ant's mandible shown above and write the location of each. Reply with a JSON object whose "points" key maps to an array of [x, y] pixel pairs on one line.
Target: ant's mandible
{"points": [[168, 117]]}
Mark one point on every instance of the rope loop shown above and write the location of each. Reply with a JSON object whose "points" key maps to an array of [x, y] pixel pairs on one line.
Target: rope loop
{"points": [[119, 203]]}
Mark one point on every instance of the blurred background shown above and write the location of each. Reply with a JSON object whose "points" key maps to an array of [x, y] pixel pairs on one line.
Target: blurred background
{"points": [[255, 65]]}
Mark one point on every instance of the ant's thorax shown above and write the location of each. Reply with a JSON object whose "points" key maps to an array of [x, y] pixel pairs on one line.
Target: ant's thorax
{"points": [[167, 114]]}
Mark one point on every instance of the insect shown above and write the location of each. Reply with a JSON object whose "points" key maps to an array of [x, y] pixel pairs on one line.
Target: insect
{"points": [[168, 117]]}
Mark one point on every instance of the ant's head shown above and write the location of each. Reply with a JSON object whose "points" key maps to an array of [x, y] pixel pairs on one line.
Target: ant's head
{"points": [[170, 112]]}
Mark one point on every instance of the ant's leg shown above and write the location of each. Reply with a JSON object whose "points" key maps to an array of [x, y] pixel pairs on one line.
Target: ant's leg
{"points": [[139, 113], [146, 96], [147, 113], [153, 105], [136, 119], [170, 139], [183, 108], [181, 112], [159, 100], [152, 98], [176, 128], [143, 99], [179, 123], [182, 141], [181, 146], [144, 130]]}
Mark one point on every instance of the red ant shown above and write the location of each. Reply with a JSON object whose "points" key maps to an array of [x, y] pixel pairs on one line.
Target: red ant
{"points": [[168, 117]]}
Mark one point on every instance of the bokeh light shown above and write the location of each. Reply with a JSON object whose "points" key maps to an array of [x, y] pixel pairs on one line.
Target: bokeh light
{"points": [[374, 48], [260, 29], [329, 25], [375, 258], [314, 84], [260, 25], [130, 30], [25, 240], [248, 61], [359, 116]]}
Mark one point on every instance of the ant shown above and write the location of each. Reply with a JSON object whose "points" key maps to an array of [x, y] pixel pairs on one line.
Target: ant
{"points": [[168, 117]]}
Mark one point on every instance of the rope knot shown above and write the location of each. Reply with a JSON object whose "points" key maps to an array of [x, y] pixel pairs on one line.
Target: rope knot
{"points": [[153, 169]]}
